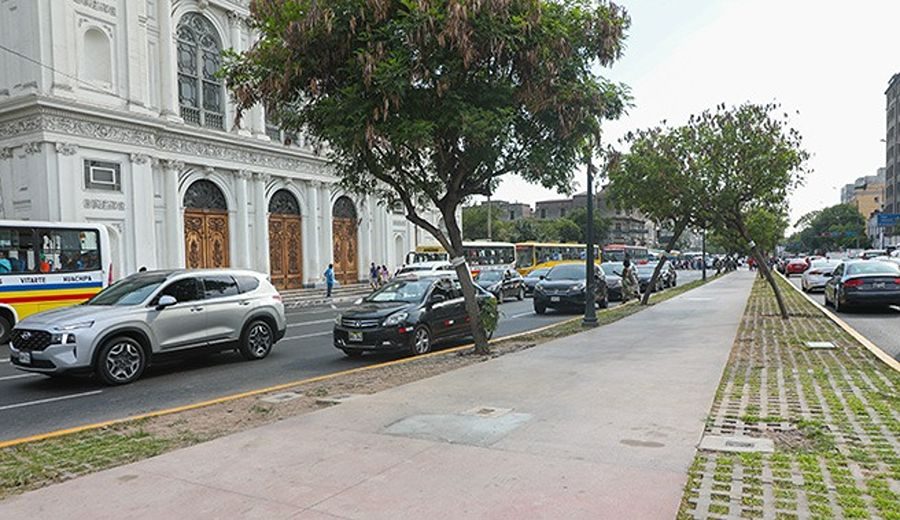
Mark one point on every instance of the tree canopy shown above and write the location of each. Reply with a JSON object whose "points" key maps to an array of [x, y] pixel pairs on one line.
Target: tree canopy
{"points": [[830, 229], [429, 102]]}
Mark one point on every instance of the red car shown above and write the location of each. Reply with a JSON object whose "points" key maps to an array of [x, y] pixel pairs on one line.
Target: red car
{"points": [[796, 266]]}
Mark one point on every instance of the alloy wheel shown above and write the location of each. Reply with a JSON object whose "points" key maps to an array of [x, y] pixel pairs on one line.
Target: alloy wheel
{"points": [[422, 341], [259, 339], [124, 360]]}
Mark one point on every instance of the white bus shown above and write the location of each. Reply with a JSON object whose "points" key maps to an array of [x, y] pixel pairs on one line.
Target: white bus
{"points": [[481, 255], [45, 265]]}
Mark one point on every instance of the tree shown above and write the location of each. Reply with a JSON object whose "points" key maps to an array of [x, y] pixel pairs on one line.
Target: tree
{"points": [[566, 231], [661, 178], [428, 103], [830, 229], [523, 230], [601, 225], [474, 222], [753, 160], [766, 229]]}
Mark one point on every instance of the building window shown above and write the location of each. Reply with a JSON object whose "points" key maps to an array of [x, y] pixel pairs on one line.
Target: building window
{"points": [[97, 65], [200, 92], [99, 175], [543, 213]]}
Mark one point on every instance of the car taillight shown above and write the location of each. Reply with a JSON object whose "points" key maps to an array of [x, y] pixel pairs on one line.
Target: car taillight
{"points": [[896, 281], [853, 283]]}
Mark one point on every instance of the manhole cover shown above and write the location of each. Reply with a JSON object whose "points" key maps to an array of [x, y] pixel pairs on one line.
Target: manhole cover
{"points": [[281, 398], [337, 399], [487, 411], [474, 430], [737, 444], [820, 345]]}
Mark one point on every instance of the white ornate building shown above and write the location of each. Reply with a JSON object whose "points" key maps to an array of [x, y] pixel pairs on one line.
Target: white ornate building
{"points": [[110, 112]]}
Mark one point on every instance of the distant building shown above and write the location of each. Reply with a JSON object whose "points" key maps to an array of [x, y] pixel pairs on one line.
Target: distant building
{"points": [[867, 194], [892, 149], [509, 211], [625, 226], [550, 209], [847, 193]]}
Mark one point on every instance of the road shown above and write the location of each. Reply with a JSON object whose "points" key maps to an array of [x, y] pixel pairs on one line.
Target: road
{"points": [[31, 403], [878, 325]]}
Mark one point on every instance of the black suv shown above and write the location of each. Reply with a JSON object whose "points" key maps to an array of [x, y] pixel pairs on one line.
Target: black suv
{"points": [[410, 313], [564, 287], [502, 284]]}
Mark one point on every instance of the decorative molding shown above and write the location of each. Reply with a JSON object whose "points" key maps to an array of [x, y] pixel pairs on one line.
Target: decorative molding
{"points": [[235, 18], [96, 5], [263, 177], [174, 166], [66, 149], [103, 204], [32, 148], [244, 175], [208, 171], [139, 158], [6, 153]]}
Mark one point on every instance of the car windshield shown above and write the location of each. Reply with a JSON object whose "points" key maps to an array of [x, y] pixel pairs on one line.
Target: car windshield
{"points": [[613, 268], [537, 273], [646, 268], [408, 291], [489, 276], [566, 272], [871, 267], [129, 291]]}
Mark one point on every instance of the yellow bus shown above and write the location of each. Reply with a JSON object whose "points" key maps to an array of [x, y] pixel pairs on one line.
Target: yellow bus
{"points": [[45, 265], [534, 255], [480, 255], [427, 253]]}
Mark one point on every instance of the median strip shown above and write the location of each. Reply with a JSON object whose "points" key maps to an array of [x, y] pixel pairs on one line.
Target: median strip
{"points": [[36, 461]]}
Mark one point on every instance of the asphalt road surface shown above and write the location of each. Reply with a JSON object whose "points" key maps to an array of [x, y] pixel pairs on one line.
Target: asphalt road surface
{"points": [[31, 403], [879, 325]]}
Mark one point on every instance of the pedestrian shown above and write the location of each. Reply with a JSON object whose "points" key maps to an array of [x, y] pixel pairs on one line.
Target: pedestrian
{"points": [[385, 274], [5, 264], [373, 275], [329, 280], [142, 269], [630, 283]]}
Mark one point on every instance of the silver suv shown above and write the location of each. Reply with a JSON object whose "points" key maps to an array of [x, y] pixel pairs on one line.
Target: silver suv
{"points": [[116, 333]]}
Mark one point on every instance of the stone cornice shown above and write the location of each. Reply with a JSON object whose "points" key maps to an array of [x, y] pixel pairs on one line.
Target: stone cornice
{"points": [[19, 119]]}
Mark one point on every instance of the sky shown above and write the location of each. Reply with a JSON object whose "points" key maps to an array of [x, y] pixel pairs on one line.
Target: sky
{"points": [[829, 61]]}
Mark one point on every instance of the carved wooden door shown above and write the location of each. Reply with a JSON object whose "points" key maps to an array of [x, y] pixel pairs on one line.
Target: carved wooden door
{"points": [[345, 247], [206, 239], [286, 251]]}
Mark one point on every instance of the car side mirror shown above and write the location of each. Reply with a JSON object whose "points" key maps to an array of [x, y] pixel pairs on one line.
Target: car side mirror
{"points": [[436, 299], [165, 301], [542, 277]]}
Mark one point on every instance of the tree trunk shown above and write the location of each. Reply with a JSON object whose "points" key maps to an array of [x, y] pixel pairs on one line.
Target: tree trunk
{"points": [[678, 231], [468, 286], [763, 267]]}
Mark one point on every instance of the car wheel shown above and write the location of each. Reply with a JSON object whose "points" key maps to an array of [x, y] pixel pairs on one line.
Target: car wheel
{"points": [[540, 309], [353, 354], [521, 295], [420, 343], [837, 303], [121, 360], [5, 330], [257, 340]]}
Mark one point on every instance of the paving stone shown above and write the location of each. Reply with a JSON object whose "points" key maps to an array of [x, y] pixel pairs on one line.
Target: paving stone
{"points": [[737, 444]]}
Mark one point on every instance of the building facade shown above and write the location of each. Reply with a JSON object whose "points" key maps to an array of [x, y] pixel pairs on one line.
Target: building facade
{"points": [[866, 194], [892, 149], [509, 211], [111, 112], [625, 226]]}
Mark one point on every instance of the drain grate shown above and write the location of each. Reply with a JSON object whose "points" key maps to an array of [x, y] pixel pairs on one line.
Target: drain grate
{"points": [[737, 444], [281, 398]]}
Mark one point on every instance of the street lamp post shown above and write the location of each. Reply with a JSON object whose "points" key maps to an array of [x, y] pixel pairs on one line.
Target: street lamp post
{"points": [[590, 309], [703, 253], [489, 216]]}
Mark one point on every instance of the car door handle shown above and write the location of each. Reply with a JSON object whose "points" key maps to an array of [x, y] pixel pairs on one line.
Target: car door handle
{"points": [[196, 309], [245, 303]]}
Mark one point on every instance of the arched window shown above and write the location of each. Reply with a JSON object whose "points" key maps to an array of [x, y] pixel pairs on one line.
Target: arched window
{"points": [[200, 92], [344, 208], [283, 202], [204, 194], [97, 65]]}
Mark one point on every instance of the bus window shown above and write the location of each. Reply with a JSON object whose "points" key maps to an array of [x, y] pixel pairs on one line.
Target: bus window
{"points": [[17, 250], [69, 250], [524, 257]]}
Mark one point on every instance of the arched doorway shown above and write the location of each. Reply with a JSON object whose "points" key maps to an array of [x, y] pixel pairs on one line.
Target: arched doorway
{"points": [[285, 241], [344, 236], [205, 226]]}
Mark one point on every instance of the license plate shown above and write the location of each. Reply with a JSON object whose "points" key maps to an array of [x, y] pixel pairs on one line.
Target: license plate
{"points": [[554, 298], [25, 358], [878, 285], [356, 337]]}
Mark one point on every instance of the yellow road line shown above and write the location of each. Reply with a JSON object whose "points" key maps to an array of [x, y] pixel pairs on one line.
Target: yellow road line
{"points": [[871, 347], [251, 393]]}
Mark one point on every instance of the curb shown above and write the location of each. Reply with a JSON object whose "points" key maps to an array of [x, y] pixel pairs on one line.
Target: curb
{"points": [[871, 347]]}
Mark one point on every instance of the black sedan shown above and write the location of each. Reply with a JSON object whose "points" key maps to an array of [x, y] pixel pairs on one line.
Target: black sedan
{"points": [[502, 284], [411, 313], [564, 287], [613, 271], [863, 283], [531, 279], [665, 280]]}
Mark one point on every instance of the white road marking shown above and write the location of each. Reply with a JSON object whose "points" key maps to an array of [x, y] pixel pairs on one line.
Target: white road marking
{"points": [[20, 376], [327, 332], [4, 360], [895, 307], [514, 316], [305, 323], [49, 400]]}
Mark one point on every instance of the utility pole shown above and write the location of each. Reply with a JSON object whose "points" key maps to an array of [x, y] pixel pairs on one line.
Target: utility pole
{"points": [[590, 309], [489, 216], [703, 252]]}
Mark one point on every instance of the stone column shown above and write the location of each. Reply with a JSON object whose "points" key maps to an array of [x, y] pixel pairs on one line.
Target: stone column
{"points": [[260, 223], [242, 220], [326, 229], [174, 217], [67, 161], [236, 24], [168, 73], [141, 201], [315, 263]]}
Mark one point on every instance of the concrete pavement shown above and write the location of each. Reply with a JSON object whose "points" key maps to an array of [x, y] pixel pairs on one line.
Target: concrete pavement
{"points": [[599, 425]]}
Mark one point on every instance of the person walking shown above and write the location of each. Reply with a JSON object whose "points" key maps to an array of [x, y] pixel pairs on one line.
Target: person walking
{"points": [[384, 275], [373, 276], [329, 280], [630, 282]]}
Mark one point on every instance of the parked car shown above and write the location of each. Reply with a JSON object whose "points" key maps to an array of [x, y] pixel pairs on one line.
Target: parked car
{"points": [[532, 279], [613, 273], [410, 313], [565, 287], [818, 274], [869, 254], [421, 267], [117, 333], [645, 273], [502, 284], [863, 282], [795, 266], [669, 275]]}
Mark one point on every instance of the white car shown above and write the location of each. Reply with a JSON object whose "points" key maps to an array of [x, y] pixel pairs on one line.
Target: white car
{"points": [[818, 274], [424, 267]]}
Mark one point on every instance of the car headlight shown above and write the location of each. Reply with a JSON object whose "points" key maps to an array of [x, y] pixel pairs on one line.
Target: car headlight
{"points": [[62, 338], [539, 288], [337, 319], [577, 287], [75, 326], [395, 319]]}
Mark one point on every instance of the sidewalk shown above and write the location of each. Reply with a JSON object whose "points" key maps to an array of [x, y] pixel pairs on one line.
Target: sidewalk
{"points": [[599, 425]]}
